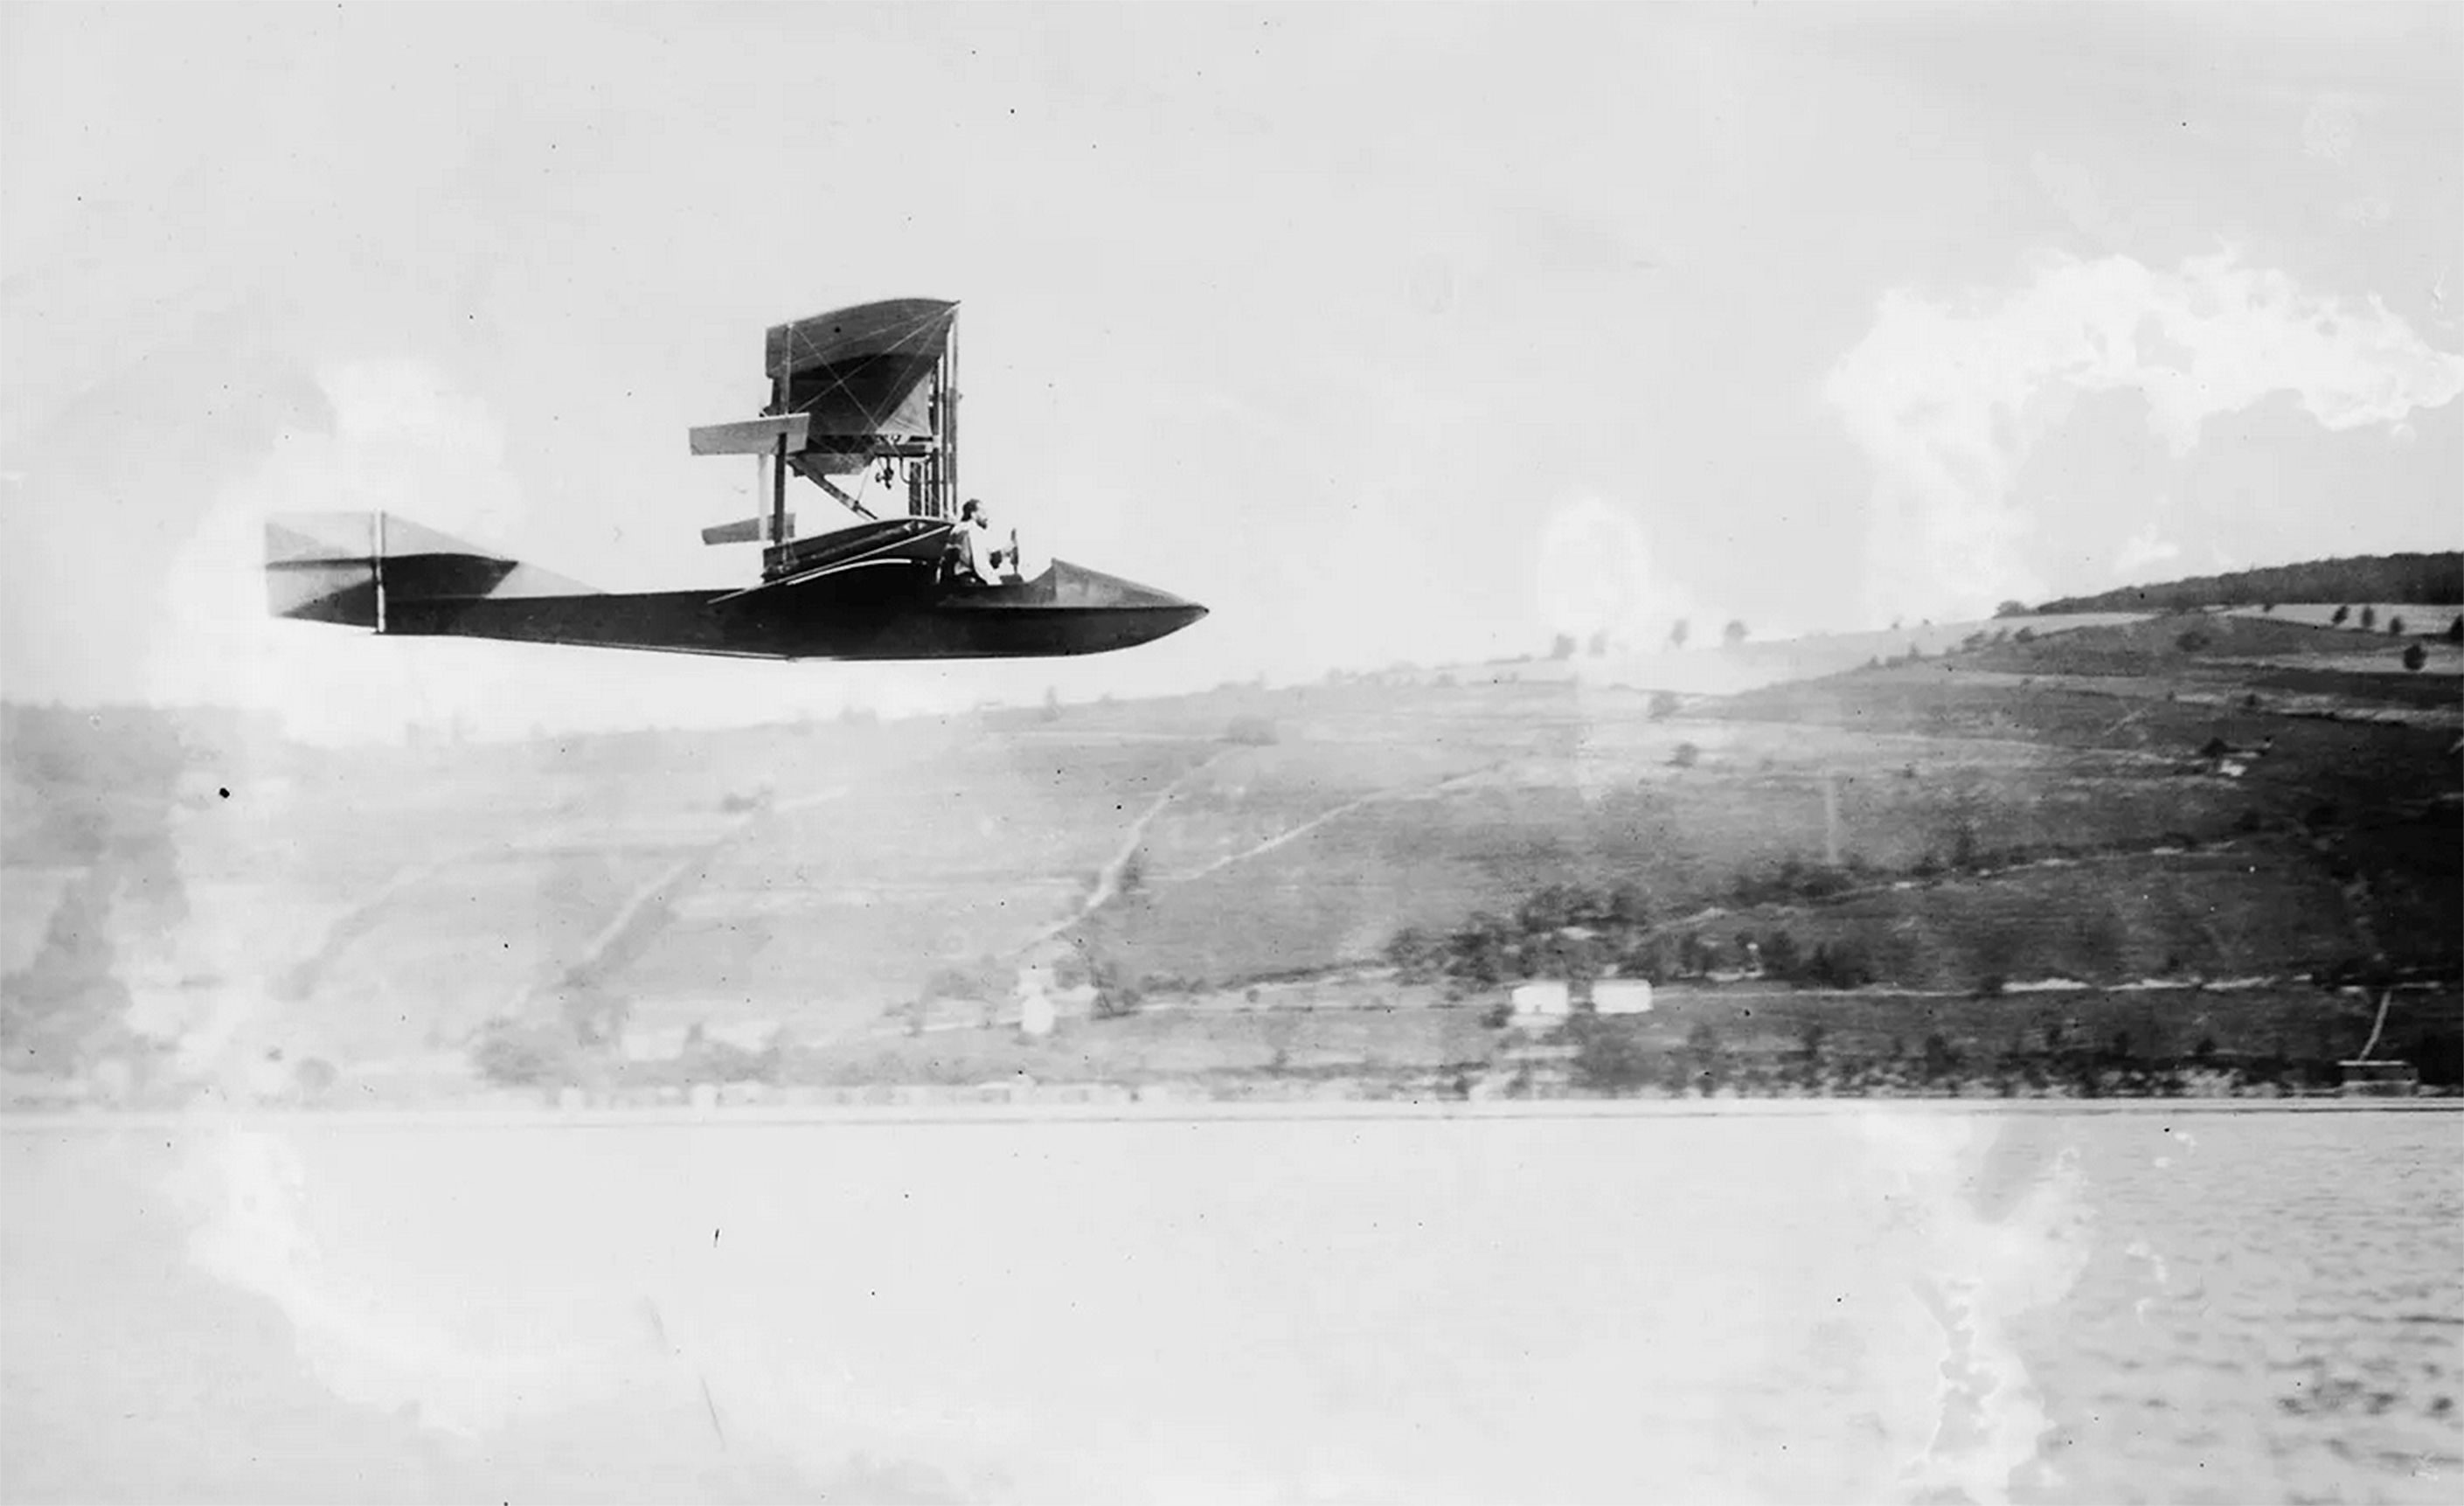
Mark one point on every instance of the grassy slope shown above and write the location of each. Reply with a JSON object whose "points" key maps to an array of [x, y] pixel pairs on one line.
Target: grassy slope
{"points": [[364, 905]]}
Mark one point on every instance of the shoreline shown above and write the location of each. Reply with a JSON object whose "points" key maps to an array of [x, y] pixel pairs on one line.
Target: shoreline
{"points": [[817, 1116]]}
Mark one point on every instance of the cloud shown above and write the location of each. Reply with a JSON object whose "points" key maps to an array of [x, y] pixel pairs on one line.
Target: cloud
{"points": [[2145, 548], [1949, 395]]}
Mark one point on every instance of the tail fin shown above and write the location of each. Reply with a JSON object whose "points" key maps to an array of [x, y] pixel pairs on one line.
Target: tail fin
{"points": [[347, 567]]}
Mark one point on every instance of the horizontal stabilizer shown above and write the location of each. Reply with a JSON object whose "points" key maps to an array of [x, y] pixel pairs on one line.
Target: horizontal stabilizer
{"points": [[746, 531], [363, 570], [753, 436]]}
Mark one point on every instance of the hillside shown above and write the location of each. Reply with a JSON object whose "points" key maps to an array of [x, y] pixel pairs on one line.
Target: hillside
{"points": [[2430, 579], [192, 894]]}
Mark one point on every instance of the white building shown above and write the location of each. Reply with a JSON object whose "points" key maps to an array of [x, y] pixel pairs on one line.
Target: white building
{"points": [[1543, 998], [1622, 996]]}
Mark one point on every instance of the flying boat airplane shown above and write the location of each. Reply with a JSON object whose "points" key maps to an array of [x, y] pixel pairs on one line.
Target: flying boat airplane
{"points": [[857, 392]]}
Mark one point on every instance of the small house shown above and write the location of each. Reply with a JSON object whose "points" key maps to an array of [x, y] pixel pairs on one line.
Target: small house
{"points": [[1543, 998], [1622, 996]]}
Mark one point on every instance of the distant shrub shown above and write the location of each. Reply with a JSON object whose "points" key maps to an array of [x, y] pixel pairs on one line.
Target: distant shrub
{"points": [[1939, 1060], [522, 1055], [2012, 608], [1250, 732], [2455, 630], [1417, 956], [1838, 965], [2414, 656], [1687, 755], [2268, 607], [1734, 634], [1562, 647], [2192, 642], [2395, 627], [2370, 618], [1991, 986], [2340, 616], [1663, 706], [2025, 634]]}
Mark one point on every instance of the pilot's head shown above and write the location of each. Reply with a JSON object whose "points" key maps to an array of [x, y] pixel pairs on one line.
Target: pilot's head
{"points": [[974, 512]]}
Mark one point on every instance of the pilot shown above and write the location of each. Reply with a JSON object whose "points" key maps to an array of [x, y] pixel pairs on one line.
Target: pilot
{"points": [[978, 554]]}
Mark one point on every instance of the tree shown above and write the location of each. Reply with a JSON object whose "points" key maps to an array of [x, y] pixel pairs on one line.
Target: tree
{"points": [[2414, 657], [2455, 630], [1416, 954], [1663, 706], [2395, 627], [1598, 647], [1780, 956], [1940, 1059], [1734, 634], [2338, 620], [1685, 755], [1562, 647], [1677, 635], [1809, 1054], [2010, 608], [2370, 618], [1630, 906], [1482, 951]]}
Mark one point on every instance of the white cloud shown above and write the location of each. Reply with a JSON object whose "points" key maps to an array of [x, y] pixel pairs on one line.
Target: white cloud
{"points": [[1949, 395], [2141, 549]]}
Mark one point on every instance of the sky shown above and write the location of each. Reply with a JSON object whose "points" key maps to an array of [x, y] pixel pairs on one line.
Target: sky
{"points": [[1387, 332]]}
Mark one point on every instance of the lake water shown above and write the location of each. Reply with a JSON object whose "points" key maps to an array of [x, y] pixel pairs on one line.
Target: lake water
{"points": [[1867, 1302]]}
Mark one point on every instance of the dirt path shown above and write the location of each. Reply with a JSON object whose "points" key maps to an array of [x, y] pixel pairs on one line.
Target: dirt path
{"points": [[1295, 833], [1108, 882], [668, 881]]}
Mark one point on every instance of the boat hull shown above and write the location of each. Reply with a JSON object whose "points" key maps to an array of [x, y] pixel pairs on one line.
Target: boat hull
{"points": [[866, 617]]}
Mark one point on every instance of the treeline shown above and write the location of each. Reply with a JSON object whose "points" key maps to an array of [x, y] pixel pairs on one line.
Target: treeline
{"points": [[1580, 932], [2433, 578], [1629, 1055]]}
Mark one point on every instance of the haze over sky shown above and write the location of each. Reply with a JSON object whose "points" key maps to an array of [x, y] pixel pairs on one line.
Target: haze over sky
{"points": [[1392, 332]]}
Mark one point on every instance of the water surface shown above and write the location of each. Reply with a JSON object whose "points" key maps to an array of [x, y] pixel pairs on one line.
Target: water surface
{"points": [[1873, 1302]]}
